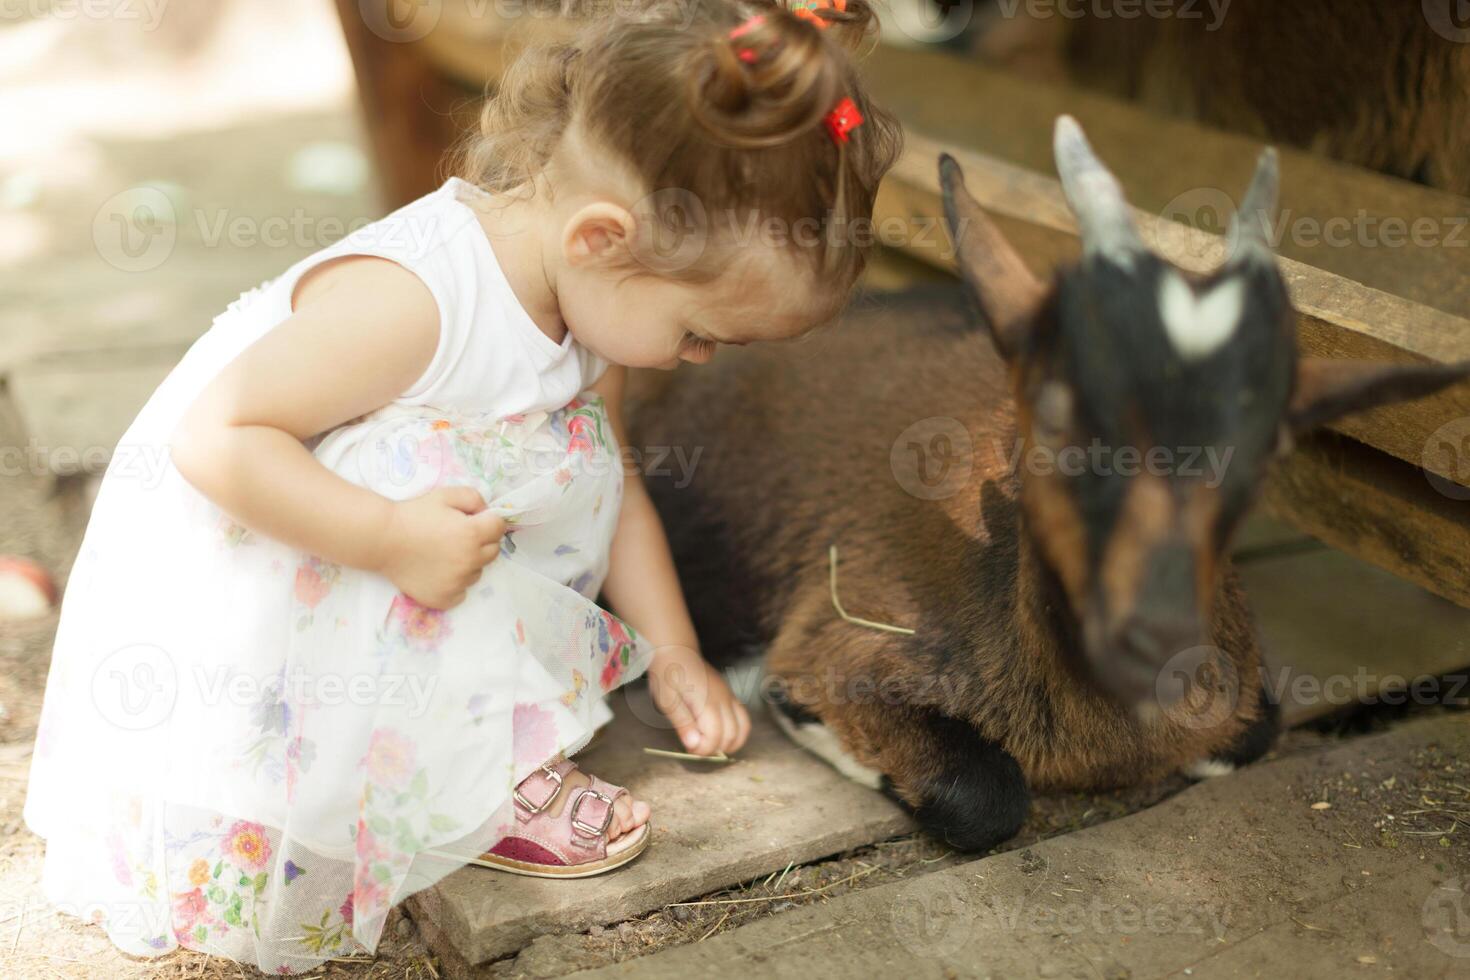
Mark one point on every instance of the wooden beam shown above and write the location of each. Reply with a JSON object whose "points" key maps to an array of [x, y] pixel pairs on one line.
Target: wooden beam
{"points": [[411, 110], [476, 46], [1337, 217], [1336, 317], [1378, 509]]}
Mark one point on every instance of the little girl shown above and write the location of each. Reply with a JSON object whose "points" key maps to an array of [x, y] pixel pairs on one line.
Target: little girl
{"points": [[344, 643]]}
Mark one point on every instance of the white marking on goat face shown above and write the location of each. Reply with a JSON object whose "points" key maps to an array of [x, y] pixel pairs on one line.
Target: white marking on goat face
{"points": [[1198, 324]]}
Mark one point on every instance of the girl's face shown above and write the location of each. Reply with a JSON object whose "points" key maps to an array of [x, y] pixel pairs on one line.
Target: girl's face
{"points": [[643, 320]]}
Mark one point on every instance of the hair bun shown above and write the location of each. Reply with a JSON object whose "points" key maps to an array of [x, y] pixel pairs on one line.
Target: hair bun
{"points": [[771, 77]]}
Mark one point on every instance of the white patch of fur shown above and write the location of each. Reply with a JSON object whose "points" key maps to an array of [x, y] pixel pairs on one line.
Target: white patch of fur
{"points": [[1208, 768], [819, 741], [1198, 325]]}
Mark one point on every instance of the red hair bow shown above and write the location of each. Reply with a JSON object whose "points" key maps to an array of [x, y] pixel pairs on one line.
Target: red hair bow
{"points": [[807, 10], [844, 117]]}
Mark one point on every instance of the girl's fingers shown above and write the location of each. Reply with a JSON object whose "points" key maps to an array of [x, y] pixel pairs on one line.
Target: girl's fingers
{"points": [[689, 736], [742, 726], [713, 726], [676, 709], [488, 553], [732, 725], [675, 694], [466, 500], [708, 723], [491, 527]]}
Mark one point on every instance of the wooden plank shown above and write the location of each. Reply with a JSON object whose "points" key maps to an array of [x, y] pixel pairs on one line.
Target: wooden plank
{"points": [[475, 44], [412, 112], [1377, 508], [1336, 217], [1336, 317], [714, 825]]}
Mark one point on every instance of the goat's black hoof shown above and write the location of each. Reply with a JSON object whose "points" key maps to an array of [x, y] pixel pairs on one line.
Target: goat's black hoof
{"points": [[980, 798]]}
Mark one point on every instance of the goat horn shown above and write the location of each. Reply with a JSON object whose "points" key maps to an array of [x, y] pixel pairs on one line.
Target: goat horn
{"points": [[1251, 226], [1095, 196]]}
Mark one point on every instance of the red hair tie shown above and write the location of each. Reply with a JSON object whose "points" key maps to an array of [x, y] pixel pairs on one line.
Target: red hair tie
{"points": [[751, 23], [807, 10], [747, 55], [844, 117]]}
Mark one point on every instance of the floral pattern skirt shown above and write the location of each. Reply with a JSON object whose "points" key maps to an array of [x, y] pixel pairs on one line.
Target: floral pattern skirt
{"points": [[254, 753]]}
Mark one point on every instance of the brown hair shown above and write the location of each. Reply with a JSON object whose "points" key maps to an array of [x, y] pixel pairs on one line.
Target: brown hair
{"points": [[738, 124]]}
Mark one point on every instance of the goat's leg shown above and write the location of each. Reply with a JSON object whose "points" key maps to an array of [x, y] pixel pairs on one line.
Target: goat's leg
{"points": [[1254, 742], [961, 787]]}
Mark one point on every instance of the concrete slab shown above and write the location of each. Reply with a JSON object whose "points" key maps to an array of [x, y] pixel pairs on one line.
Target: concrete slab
{"points": [[1309, 866], [76, 408], [715, 825]]}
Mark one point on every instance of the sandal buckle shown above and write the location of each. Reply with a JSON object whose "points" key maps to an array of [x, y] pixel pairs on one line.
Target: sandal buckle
{"points": [[535, 808], [586, 829]]}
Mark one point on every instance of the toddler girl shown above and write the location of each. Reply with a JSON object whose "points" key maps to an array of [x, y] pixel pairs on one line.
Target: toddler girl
{"points": [[344, 643]]}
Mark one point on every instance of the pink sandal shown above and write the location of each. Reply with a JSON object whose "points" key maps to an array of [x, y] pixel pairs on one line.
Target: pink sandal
{"points": [[572, 844]]}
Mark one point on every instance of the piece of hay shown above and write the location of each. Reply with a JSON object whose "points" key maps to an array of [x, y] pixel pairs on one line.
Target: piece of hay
{"points": [[837, 604], [668, 754]]}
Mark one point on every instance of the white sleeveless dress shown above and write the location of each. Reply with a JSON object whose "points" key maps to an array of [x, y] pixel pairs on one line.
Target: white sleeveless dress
{"points": [[255, 753]]}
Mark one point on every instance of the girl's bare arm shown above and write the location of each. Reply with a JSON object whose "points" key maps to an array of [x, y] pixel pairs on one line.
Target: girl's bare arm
{"points": [[363, 331], [643, 587]]}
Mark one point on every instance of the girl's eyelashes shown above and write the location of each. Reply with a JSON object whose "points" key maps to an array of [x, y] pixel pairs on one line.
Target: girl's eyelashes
{"points": [[697, 344]]}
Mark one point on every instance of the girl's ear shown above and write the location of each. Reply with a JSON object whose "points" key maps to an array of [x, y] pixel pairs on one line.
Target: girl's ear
{"points": [[598, 232]]}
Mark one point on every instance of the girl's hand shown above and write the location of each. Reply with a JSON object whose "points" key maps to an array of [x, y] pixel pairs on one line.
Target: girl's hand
{"points": [[694, 696], [436, 545]]}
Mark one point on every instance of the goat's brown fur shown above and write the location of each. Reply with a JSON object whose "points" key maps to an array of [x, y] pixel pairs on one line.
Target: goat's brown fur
{"points": [[752, 534]]}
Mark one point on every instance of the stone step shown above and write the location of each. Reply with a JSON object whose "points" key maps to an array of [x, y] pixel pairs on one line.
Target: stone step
{"points": [[1247, 876], [75, 408], [715, 825]]}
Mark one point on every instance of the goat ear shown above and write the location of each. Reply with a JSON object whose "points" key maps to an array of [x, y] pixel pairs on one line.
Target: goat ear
{"points": [[1006, 291], [1327, 389]]}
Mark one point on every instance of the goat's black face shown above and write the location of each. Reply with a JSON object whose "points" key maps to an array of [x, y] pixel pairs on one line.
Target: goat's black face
{"points": [[1151, 404]]}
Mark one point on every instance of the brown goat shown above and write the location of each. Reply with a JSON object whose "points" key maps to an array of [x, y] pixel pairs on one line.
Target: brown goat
{"points": [[1074, 628]]}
